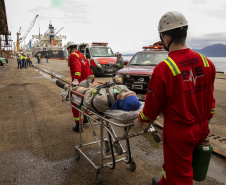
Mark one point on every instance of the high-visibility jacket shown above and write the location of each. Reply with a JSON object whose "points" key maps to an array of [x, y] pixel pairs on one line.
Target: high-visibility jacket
{"points": [[181, 87], [79, 66], [120, 62]]}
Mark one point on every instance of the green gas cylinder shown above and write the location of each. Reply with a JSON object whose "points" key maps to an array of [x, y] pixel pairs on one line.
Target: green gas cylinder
{"points": [[201, 160]]}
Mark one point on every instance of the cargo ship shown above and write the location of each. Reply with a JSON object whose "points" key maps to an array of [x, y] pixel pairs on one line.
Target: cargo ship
{"points": [[49, 44]]}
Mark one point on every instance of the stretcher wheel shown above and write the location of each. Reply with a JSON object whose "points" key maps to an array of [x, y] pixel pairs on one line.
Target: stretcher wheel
{"points": [[98, 177], [157, 137], [118, 148], [77, 154], [107, 147], [132, 166]]}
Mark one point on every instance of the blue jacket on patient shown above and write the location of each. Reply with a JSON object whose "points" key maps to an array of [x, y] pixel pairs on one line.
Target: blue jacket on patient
{"points": [[130, 103]]}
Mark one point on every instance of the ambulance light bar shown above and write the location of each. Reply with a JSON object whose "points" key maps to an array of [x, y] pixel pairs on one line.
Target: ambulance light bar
{"points": [[99, 43], [153, 47]]}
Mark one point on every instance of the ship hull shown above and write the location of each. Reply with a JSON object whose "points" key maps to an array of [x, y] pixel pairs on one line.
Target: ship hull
{"points": [[58, 54]]}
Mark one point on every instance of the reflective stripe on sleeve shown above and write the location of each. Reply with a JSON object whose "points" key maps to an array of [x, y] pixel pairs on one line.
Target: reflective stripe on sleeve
{"points": [[78, 73], [206, 64], [212, 111], [173, 66], [163, 173], [143, 116]]}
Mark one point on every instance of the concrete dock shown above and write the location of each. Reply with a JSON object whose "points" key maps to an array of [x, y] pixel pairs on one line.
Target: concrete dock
{"points": [[37, 143]]}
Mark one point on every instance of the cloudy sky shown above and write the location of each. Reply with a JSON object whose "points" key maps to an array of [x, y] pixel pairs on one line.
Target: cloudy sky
{"points": [[126, 25]]}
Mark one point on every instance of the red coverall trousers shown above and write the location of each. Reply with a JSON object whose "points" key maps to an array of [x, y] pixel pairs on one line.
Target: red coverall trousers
{"points": [[179, 141], [79, 67], [76, 113]]}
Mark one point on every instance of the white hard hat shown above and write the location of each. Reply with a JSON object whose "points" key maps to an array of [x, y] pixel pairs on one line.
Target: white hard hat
{"points": [[71, 44], [171, 20], [118, 53]]}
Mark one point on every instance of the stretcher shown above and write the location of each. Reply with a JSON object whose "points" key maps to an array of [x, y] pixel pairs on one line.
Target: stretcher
{"points": [[110, 147]]}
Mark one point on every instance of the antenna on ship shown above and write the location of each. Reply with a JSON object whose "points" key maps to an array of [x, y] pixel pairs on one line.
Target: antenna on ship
{"points": [[46, 32], [39, 29]]}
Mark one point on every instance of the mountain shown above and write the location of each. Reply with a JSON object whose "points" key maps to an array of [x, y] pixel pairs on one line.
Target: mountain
{"points": [[216, 50], [128, 54]]}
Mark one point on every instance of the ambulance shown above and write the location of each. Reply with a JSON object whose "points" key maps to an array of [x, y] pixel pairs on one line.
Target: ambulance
{"points": [[137, 73], [100, 55]]}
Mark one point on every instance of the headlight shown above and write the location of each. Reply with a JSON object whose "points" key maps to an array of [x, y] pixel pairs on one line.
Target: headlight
{"points": [[127, 75], [118, 78], [97, 63]]}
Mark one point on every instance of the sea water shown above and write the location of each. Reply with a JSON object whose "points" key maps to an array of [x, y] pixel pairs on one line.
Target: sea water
{"points": [[220, 63]]}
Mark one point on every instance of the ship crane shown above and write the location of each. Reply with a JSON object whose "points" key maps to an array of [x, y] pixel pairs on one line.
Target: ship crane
{"points": [[29, 29], [59, 30], [18, 43], [19, 40]]}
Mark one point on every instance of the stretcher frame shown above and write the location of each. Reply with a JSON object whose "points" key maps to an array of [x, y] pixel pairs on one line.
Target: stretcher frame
{"points": [[112, 142]]}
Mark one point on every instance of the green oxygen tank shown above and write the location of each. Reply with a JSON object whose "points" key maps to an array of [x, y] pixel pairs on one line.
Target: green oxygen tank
{"points": [[201, 160]]}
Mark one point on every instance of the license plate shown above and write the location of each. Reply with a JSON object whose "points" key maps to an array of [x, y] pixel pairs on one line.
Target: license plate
{"points": [[109, 70], [141, 96], [140, 87]]}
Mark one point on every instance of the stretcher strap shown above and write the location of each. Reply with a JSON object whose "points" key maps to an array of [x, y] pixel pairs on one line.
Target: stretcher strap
{"points": [[97, 90], [110, 101], [81, 104], [68, 94]]}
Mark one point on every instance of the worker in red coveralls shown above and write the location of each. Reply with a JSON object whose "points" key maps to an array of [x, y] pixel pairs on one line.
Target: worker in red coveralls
{"points": [[80, 70], [181, 87]]}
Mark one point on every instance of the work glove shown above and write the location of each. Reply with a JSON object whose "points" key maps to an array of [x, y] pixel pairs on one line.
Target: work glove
{"points": [[67, 87], [75, 82], [137, 123]]}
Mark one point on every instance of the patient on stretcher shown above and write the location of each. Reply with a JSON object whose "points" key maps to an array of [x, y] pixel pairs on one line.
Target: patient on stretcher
{"points": [[101, 97]]}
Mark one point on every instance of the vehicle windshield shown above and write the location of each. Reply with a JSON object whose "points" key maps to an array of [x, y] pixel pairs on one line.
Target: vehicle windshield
{"points": [[101, 52], [148, 59]]}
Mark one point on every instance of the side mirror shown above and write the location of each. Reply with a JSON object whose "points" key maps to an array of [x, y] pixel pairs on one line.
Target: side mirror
{"points": [[126, 62]]}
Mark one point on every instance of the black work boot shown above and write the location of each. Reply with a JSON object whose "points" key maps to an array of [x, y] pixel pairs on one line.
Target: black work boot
{"points": [[155, 180], [75, 129], [85, 119]]}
